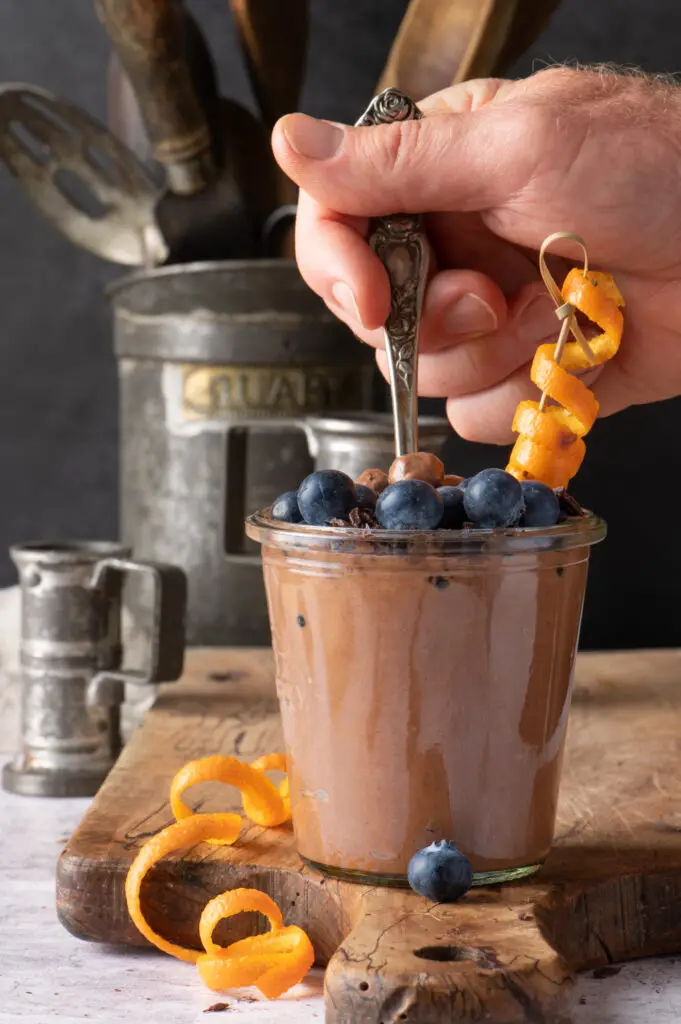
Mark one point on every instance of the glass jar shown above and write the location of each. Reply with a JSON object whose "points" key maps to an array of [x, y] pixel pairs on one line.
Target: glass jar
{"points": [[424, 682]]}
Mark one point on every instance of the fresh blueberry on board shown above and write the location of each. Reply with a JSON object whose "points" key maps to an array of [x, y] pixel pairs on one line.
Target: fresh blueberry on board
{"points": [[440, 872], [542, 507], [464, 483], [285, 508], [366, 497], [324, 495], [454, 515], [493, 498], [409, 505]]}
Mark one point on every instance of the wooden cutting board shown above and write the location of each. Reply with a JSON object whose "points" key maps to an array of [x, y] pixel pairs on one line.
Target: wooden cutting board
{"points": [[610, 891]]}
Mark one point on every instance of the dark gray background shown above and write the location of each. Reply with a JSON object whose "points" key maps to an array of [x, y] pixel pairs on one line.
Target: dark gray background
{"points": [[58, 441]]}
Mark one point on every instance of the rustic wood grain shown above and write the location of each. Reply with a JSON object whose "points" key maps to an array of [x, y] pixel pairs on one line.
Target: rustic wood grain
{"points": [[610, 890]]}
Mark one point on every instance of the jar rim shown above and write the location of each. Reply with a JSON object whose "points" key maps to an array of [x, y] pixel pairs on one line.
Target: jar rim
{"points": [[576, 531]]}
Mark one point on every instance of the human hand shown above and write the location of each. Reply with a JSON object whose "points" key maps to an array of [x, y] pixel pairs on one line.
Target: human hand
{"points": [[497, 166]]}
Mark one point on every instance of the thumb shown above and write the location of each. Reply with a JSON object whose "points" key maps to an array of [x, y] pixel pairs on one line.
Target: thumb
{"points": [[465, 161]]}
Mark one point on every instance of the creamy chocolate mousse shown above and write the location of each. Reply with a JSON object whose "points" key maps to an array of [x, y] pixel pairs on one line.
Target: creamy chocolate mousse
{"points": [[424, 684]]}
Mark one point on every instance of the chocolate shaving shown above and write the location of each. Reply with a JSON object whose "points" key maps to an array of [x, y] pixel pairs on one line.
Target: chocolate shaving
{"points": [[363, 519], [338, 522], [568, 505], [217, 1008]]}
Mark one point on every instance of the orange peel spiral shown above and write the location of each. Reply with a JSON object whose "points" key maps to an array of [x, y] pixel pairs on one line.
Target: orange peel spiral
{"points": [[263, 802], [274, 961], [550, 445]]}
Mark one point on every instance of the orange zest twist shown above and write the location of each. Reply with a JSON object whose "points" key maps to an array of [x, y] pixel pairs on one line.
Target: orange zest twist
{"points": [[263, 803], [274, 961], [550, 445]]}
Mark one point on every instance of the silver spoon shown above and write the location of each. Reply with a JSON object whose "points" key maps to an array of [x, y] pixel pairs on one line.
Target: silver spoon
{"points": [[400, 243]]}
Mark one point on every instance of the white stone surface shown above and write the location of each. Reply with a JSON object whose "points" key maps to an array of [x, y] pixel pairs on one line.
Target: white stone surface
{"points": [[49, 977]]}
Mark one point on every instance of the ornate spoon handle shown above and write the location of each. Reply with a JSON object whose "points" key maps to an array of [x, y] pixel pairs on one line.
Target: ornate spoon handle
{"points": [[400, 243]]}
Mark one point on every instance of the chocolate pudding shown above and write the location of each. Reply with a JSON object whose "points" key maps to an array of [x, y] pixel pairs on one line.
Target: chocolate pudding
{"points": [[424, 682]]}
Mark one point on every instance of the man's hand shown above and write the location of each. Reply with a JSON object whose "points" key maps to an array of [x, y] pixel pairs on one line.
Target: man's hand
{"points": [[497, 166]]}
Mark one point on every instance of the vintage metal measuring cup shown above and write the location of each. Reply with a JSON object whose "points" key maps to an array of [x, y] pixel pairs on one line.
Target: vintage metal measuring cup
{"points": [[72, 660], [353, 442]]}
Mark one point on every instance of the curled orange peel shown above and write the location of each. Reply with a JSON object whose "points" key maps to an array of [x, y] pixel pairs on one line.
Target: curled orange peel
{"points": [[274, 961], [263, 803], [550, 445], [197, 829]]}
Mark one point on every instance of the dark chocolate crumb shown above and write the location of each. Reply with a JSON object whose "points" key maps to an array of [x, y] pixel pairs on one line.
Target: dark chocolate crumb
{"points": [[300, 619], [363, 519], [582, 1000], [606, 972], [560, 570], [439, 582], [568, 505], [217, 1008]]}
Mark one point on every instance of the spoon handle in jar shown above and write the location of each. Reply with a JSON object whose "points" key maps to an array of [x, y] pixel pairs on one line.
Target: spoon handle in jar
{"points": [[400, 243]]}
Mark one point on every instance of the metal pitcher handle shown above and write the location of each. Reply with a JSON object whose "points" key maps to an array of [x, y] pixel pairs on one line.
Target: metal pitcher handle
{"points": [[165, 661]]}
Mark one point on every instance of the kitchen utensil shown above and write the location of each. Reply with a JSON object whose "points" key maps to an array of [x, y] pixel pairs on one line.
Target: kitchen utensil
{"points": [[172, 74], [218, 365], [441, 42], [273, 39], [73, 677], [83, 180], [609, 891], [149, 39], [241, 142], [98, 194], [400, 244]]}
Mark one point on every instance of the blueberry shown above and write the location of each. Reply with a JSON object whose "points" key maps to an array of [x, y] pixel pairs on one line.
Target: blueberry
{"points": [[366, 497], [285, 508], [464, 483], [326, 494], [493, 498], [440, 872], [409, 505], [454, 514], [542, 507]]}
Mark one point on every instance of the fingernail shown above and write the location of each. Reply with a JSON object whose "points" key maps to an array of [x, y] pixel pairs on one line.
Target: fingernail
{"points": [[316, 140], [469, 315], [344, 298], [538, 320]]}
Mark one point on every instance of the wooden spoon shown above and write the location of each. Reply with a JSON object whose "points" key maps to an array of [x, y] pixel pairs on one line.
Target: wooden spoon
{"points": [[442, 42], [273, 35]]}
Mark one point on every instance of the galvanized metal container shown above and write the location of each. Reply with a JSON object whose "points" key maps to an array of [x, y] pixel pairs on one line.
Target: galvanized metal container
{"points": [[218, 364]]}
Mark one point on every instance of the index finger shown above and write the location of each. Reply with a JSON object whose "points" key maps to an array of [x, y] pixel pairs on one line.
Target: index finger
{"points": [[338, 264]]}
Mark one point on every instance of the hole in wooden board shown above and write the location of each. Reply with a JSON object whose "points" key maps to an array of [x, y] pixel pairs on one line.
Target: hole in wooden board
{"points": [[79, 194], [459, 954]]}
